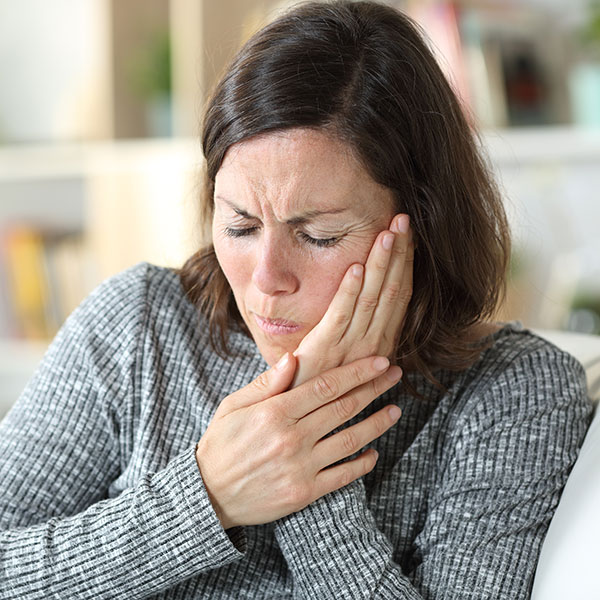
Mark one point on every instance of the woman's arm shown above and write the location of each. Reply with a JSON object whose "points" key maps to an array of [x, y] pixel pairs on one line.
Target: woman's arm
{"points": [[335, 550], [60, 450], [148, 539], [499, 472]]}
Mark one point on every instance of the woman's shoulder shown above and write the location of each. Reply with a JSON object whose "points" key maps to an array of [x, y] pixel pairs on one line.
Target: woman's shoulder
{"points": [[522, 372], [143, 288], [146, 307], [118, 312], [525, 354], [141, 282]]}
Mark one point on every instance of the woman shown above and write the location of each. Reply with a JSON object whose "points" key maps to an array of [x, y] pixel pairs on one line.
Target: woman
{"points": [[203, 433]]}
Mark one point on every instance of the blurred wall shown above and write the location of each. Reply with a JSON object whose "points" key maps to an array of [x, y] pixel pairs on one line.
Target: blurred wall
{"points": [[54, 71]]}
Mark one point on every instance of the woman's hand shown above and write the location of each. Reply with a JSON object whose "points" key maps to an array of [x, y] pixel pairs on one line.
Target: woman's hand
{"points": [[366, 314], [263, 455]]}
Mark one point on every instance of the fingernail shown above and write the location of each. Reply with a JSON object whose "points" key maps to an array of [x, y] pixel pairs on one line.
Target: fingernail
{"points": [[381, 363], [395, 412], [394, 373], [375, 453], [388, 241], [283, 361], [357, 270], [403, 223]]}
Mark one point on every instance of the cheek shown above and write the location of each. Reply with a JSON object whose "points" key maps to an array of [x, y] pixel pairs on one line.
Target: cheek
{"points": [[234, 265], [322, 280]]}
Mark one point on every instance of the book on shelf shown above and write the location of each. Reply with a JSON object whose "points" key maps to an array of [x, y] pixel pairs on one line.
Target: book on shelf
{"points": [[43, 277], [505, 60]]}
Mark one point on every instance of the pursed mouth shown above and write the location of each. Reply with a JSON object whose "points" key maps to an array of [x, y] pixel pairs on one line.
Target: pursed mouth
{"points": [[276, 326], [283, 322]]}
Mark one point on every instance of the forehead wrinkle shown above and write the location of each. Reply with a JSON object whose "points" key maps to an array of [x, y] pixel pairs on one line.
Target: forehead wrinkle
{"points": [[297, 220], [287, 180]]}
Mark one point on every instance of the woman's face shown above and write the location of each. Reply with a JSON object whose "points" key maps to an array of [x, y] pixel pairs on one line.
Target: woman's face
{"points": [[293, 211]]}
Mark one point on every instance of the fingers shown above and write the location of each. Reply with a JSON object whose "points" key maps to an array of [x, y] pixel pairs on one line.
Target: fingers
{"points": [[350, 440], [346, 443], [332, 384], [337, 412], [387, 285], [339, 476], [396, 289], [274, 381], [375, 271], [339, 313]]}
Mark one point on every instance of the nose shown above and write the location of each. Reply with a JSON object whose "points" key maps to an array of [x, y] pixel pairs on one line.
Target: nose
{"points": [[274, 270]]}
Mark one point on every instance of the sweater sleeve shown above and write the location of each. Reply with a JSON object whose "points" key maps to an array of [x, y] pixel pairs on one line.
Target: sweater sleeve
{"points": [[500, 467], [334, 550], [61, 535]]}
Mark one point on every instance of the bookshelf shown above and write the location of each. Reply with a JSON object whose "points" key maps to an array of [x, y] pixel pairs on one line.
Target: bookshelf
{"points": [[116, 203]]}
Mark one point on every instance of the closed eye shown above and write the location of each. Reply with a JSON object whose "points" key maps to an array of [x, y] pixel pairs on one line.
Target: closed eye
{"points": [[320, 242], [232, 232]]}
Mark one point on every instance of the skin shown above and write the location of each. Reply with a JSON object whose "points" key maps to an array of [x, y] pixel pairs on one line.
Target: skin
{"points": [[346, 298], [274, 270]]}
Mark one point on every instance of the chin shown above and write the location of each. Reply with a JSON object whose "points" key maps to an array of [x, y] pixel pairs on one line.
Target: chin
{"points": [[272, 351]]}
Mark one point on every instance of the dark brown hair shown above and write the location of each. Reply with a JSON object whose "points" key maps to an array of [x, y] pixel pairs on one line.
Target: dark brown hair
{"points": [[362, 71]]}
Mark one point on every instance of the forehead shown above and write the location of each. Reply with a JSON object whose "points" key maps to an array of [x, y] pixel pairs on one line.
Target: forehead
{"points": [[298, 168]]}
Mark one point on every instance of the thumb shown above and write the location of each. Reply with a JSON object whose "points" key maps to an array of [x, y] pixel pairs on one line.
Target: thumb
{"points": [[271, 382]]}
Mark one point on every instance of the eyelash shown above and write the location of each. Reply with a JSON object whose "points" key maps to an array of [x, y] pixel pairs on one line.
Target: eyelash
{"points": [[320, 242]]}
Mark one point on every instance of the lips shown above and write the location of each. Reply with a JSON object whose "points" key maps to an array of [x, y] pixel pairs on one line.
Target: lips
{"points": [[276, 326]]}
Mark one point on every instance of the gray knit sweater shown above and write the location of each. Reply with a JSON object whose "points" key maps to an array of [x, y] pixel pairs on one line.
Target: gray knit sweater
{"points": [[101, 497]]}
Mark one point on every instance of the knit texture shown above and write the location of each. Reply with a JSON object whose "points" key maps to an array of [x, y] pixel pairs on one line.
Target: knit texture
{"points": [[101, 496]]}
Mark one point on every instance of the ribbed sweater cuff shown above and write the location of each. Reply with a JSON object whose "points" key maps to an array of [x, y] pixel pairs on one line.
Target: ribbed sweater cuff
{"points": [[225, 546]]}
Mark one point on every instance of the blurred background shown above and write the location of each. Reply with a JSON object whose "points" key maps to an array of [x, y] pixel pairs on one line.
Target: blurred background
{"points": [[100, 161]]}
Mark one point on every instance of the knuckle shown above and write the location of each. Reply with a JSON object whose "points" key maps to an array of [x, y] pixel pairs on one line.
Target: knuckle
{"points": [[291, 444], [340, 319], [405, 294], [266, 418], [345, 407], [261, 383], [378, 386], [367, 303], [381, 264], [349, 441], [401, 249], [345, 476], [351, 289], [297, 495], [380, 424], [355, 373], [326, 386], [392, 293], [285, 445], [370, 347]]}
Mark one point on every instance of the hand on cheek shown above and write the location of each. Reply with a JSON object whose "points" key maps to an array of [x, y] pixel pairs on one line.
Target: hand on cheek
{"points": [[367, 311]]}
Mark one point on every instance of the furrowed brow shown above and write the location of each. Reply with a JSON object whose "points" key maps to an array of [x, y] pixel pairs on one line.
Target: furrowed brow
{"points": [[299, 220]]}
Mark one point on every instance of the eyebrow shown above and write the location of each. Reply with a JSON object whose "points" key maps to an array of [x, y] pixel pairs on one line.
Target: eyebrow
{"points": [[298, 220]]}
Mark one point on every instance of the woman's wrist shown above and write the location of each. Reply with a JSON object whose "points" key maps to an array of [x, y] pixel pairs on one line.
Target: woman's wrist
{"points": [[214, 502]]}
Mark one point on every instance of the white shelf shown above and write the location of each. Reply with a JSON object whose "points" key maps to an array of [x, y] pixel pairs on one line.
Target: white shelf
{"points": [[564, 145], [67, 160]]}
